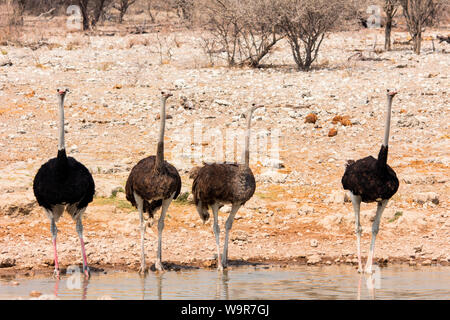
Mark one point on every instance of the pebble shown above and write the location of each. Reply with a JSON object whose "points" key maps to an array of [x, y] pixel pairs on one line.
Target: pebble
{"points": [[313, 259], [313, 243], [7, 263], [35, 294], [426, 262], [333, 132]]}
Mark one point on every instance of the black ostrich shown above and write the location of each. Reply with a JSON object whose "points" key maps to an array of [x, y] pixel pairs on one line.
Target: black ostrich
{"points": [[370, 180], [64, 183], [219, 183], [153, 183]]}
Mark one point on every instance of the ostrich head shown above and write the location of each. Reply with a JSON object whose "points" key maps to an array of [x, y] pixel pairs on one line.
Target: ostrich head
{"points": [[255, 106], [62, 92], [391, 94], [166, 95]]}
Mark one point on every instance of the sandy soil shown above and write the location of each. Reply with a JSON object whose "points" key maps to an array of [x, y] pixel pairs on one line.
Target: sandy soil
{"points": [[298, 214]]}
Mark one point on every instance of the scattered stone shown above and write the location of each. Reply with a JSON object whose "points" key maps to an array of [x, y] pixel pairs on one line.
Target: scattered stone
{"points": [[7, 263], [48, 297], [222, 102], [333, 132], [313, 259], [273, 176], [336, 196], [426, 262], [179, 84], [313, 243], [186, 104], [343, 120], [305, 209], [35, 294], [311, 118], [210, 263]]}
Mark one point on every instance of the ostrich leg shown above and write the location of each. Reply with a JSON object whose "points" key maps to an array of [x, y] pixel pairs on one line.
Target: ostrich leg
{"points": [[165, 206], [356, 201], [228, 225], [375, 227], [215, 210], [79, 227], [140, 206], [54, 231]]}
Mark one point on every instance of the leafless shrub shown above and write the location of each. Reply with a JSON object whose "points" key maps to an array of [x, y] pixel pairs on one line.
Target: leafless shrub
{"points": [[390, 8], [92, 11], [418, 15], [164, 47], [210, 47], [11, 22], [122, 6], [305, 23], [245, 30]]}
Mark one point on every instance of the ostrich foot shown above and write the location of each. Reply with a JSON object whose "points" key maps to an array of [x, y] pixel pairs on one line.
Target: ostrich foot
{"points": [[368, 269], [159, 266], [56, 274], [87, 272], [142, 270]]}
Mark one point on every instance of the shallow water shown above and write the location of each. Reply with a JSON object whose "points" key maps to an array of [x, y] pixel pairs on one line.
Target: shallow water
{"points": [[260, 282]]}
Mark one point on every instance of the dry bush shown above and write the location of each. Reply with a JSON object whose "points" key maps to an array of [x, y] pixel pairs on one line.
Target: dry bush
{"points": [[420, 14], [390, 8], [122, 6], [306, 22], [11, 23], [137, 41], [245, 30]]}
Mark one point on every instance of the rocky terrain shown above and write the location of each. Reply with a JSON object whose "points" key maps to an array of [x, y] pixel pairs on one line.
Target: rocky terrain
{"points": [[299, 213]]}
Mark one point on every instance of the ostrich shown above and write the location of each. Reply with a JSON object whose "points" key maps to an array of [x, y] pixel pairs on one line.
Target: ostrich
{"points": [[370, 180], [216, 184], [63, 183], [153, 183]]}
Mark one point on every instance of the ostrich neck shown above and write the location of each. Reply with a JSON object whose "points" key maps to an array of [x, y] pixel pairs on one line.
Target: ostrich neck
{"points": [[61, 142], [247, 139], [388, 122], [160, 150]]}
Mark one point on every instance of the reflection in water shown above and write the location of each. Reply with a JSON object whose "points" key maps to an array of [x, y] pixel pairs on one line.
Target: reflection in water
{"points": [[83, 286], [222, 285], [159, 279], [333, 282]]}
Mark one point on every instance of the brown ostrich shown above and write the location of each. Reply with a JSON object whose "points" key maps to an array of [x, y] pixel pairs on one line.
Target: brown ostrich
{"points": [[217, 184], [371, 180], [153, 183]]}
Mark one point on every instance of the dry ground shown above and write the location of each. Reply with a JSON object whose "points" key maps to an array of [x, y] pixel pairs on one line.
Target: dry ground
{"points": [[111, 124]]}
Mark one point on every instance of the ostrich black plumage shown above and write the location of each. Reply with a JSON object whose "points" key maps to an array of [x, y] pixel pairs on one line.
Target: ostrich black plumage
{"points": [[370, 180], [153, 183], [64, 183], [219, 183]]}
